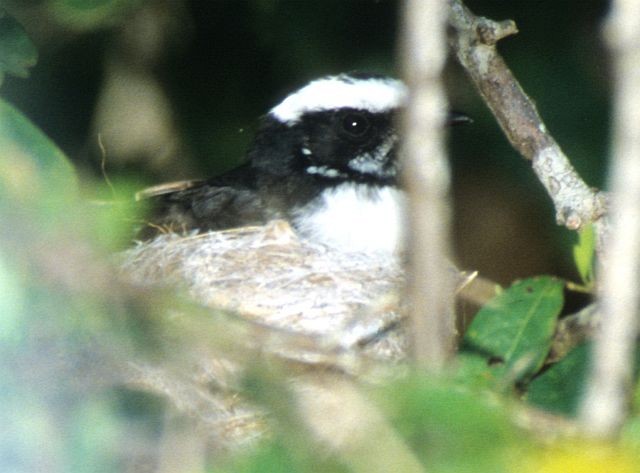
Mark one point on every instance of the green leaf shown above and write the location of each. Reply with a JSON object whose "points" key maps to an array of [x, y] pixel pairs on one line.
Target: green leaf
{"points": [[517, 325], [31, 165], [17, 52], [559, 389], [584, 253]]}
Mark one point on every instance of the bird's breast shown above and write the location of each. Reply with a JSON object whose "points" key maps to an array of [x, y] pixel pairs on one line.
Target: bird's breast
{"points": [[354, 217]]}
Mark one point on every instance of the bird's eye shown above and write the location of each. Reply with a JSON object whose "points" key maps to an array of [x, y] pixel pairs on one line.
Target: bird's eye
{"points": [[355, 124]]}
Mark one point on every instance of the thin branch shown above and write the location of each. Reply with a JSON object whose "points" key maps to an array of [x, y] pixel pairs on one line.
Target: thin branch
{"points": [[427, 179], [474, 41], [605, 404], [572, 330]]}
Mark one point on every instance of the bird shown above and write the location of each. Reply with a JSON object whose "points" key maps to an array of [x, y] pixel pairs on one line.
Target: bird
{"points": [[325, 159]]}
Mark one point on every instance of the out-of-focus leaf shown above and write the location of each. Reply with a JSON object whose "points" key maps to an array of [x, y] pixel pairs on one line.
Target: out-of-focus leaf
{"points": [[583, 254], [475, 371], [559, 389], [113, 214], [12, 302], [516, 326], [274, 457], [450, 428], [630, 434], [31, 165], [269, 457], [25, 422], [17, 52], [90, 14], [580, 456], [93, 435]]}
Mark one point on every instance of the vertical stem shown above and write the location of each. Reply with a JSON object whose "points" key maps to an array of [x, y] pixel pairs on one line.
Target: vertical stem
{"points": [[427, 179], [608, 391]]}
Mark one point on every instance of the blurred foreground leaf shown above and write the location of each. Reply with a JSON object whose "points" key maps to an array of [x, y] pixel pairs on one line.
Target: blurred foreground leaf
{"points": [[66, 331], [477, 372], [12, 301], [453, 429], [630, 434], [114, 214], [66, 328], [90, 14], [17, 53], [581, 456], [516, 327], [31, 165]]}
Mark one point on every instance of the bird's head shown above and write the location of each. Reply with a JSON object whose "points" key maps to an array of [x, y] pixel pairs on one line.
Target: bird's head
{"points": [[338, 128]]}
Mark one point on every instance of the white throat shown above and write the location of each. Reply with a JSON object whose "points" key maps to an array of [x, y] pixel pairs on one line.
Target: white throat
{"points": [[355, 218]]}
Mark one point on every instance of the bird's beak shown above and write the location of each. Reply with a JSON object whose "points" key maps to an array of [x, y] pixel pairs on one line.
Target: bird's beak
{"points": [[457, 118]]}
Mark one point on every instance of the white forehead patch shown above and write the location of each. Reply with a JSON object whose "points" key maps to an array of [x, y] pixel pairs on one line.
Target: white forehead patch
{"points": [[372, 94]]}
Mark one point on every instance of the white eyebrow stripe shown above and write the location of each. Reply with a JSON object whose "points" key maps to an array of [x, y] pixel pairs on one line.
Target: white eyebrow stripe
{"points": [[374, 95]]}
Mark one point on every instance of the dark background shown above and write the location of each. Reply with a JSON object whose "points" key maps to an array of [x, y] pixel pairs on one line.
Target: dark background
{"points": [[219, 65]]}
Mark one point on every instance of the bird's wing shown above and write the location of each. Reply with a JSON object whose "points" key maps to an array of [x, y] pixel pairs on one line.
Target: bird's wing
{"points": [[166, 188], [226, 201]]}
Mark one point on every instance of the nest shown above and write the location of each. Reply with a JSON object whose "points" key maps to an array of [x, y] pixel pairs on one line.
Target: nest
{"points": [[300, 303], [267, 275]]}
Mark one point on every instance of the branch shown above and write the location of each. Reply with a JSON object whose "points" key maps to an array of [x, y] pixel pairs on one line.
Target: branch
{"points": [[608, 392], [474, 41], [427, 179], [572, 330]]}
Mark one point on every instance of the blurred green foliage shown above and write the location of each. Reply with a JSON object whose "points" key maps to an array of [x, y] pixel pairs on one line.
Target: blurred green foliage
{"points": [[441, 421], [90, 14], [17, 53], [52, 307], [32, 168]]}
